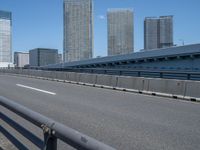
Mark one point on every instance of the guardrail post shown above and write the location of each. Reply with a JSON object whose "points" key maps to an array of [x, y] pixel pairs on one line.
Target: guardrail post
{"points": [[139, 73], [188, 76], [120, 73], [50, 142], [161, 75]]}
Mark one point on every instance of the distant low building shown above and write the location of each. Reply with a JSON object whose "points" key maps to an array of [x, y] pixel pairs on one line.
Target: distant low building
{"points": [[42, 57], [21, 59]]}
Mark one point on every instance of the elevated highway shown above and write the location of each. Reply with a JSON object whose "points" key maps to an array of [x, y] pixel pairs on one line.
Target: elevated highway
{"points": [[182, 58]]}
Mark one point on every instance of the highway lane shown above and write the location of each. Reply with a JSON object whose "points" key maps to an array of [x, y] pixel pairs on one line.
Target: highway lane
{"points": [[123, 120]]}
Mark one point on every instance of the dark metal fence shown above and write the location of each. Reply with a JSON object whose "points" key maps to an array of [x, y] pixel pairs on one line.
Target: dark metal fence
{"points": [[52, 130], [166, 74], [182, 75]]}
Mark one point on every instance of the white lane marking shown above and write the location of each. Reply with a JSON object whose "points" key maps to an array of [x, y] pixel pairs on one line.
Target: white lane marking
{"points": [[32, 88]]}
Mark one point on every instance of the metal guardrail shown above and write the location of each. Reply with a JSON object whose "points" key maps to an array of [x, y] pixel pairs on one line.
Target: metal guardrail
{"points": [[165, 74], [53, 130], [182, 75]]}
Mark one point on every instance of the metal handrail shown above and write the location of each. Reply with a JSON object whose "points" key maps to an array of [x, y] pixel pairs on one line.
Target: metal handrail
{"points": [[133, 70], [166, 74], [138, 73], [54, 130]]}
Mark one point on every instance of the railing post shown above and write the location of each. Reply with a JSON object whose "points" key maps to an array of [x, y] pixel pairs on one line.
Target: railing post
{"points": [[188, 76], [139, 73], [161, 74], [120, 73], [50, 142]]}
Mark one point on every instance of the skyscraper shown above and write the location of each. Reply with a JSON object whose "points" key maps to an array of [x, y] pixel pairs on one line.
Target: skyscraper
{"points": [[78, 30], [151, 33], [158, 32], [120, 31], [5, 37], [166, 31]]}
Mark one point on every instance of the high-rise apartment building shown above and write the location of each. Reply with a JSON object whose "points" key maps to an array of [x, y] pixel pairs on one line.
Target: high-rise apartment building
{"points": [[5, 37], [21, 59], [158, 32], [78, 30], [151, 33], [166, 31], [120, 31]]}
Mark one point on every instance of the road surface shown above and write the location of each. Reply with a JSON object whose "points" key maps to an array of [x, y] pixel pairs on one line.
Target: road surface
{"points": [[125, 121]]}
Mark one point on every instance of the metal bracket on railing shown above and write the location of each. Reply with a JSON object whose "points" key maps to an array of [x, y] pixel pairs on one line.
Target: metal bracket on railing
{"points": [[50, 141]]}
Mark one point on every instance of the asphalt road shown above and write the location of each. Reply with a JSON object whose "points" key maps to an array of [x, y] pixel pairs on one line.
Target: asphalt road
{"points": [[125, 121]]}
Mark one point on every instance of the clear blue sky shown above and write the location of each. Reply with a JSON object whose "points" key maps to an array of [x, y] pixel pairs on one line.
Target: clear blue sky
{"points": [[39, 23]]}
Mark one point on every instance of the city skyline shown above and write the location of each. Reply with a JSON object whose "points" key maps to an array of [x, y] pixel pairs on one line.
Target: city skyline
{"points": [[25, 32]]}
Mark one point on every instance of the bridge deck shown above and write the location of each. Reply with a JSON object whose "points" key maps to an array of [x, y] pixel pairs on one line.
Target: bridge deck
{"points": [[123, 120]]}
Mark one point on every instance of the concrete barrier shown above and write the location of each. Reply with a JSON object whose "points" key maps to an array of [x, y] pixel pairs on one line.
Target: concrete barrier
{"points": [[187, 89], [40, 73], [108, 80], [87, 78], [72, 76], [37, 73], [18, 71], [61, 75], [25, 72], [31, 72], [192, 89], [174, 87], [146, 84], [130, 83], [44, 74]]}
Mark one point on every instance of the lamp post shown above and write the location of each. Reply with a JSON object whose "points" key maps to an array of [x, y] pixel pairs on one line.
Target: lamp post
{"points": [[183, 42]]}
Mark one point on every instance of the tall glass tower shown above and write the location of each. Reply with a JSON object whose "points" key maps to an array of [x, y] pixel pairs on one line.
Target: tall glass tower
{"points": [[78, 30], [120, 31], [151, 33], [158, 32], [166, 31], [5, 37]]}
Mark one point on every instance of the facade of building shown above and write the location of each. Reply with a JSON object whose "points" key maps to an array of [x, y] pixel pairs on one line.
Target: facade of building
{"points": [[158, 32], [5, 37], [21, 59], [78, 30], [151, 38], [120, 31], [43, 56], [60, 58], [166, 31]]}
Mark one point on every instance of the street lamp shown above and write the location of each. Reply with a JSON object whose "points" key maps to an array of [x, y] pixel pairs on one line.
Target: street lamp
{"points": [[183, 42]]}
